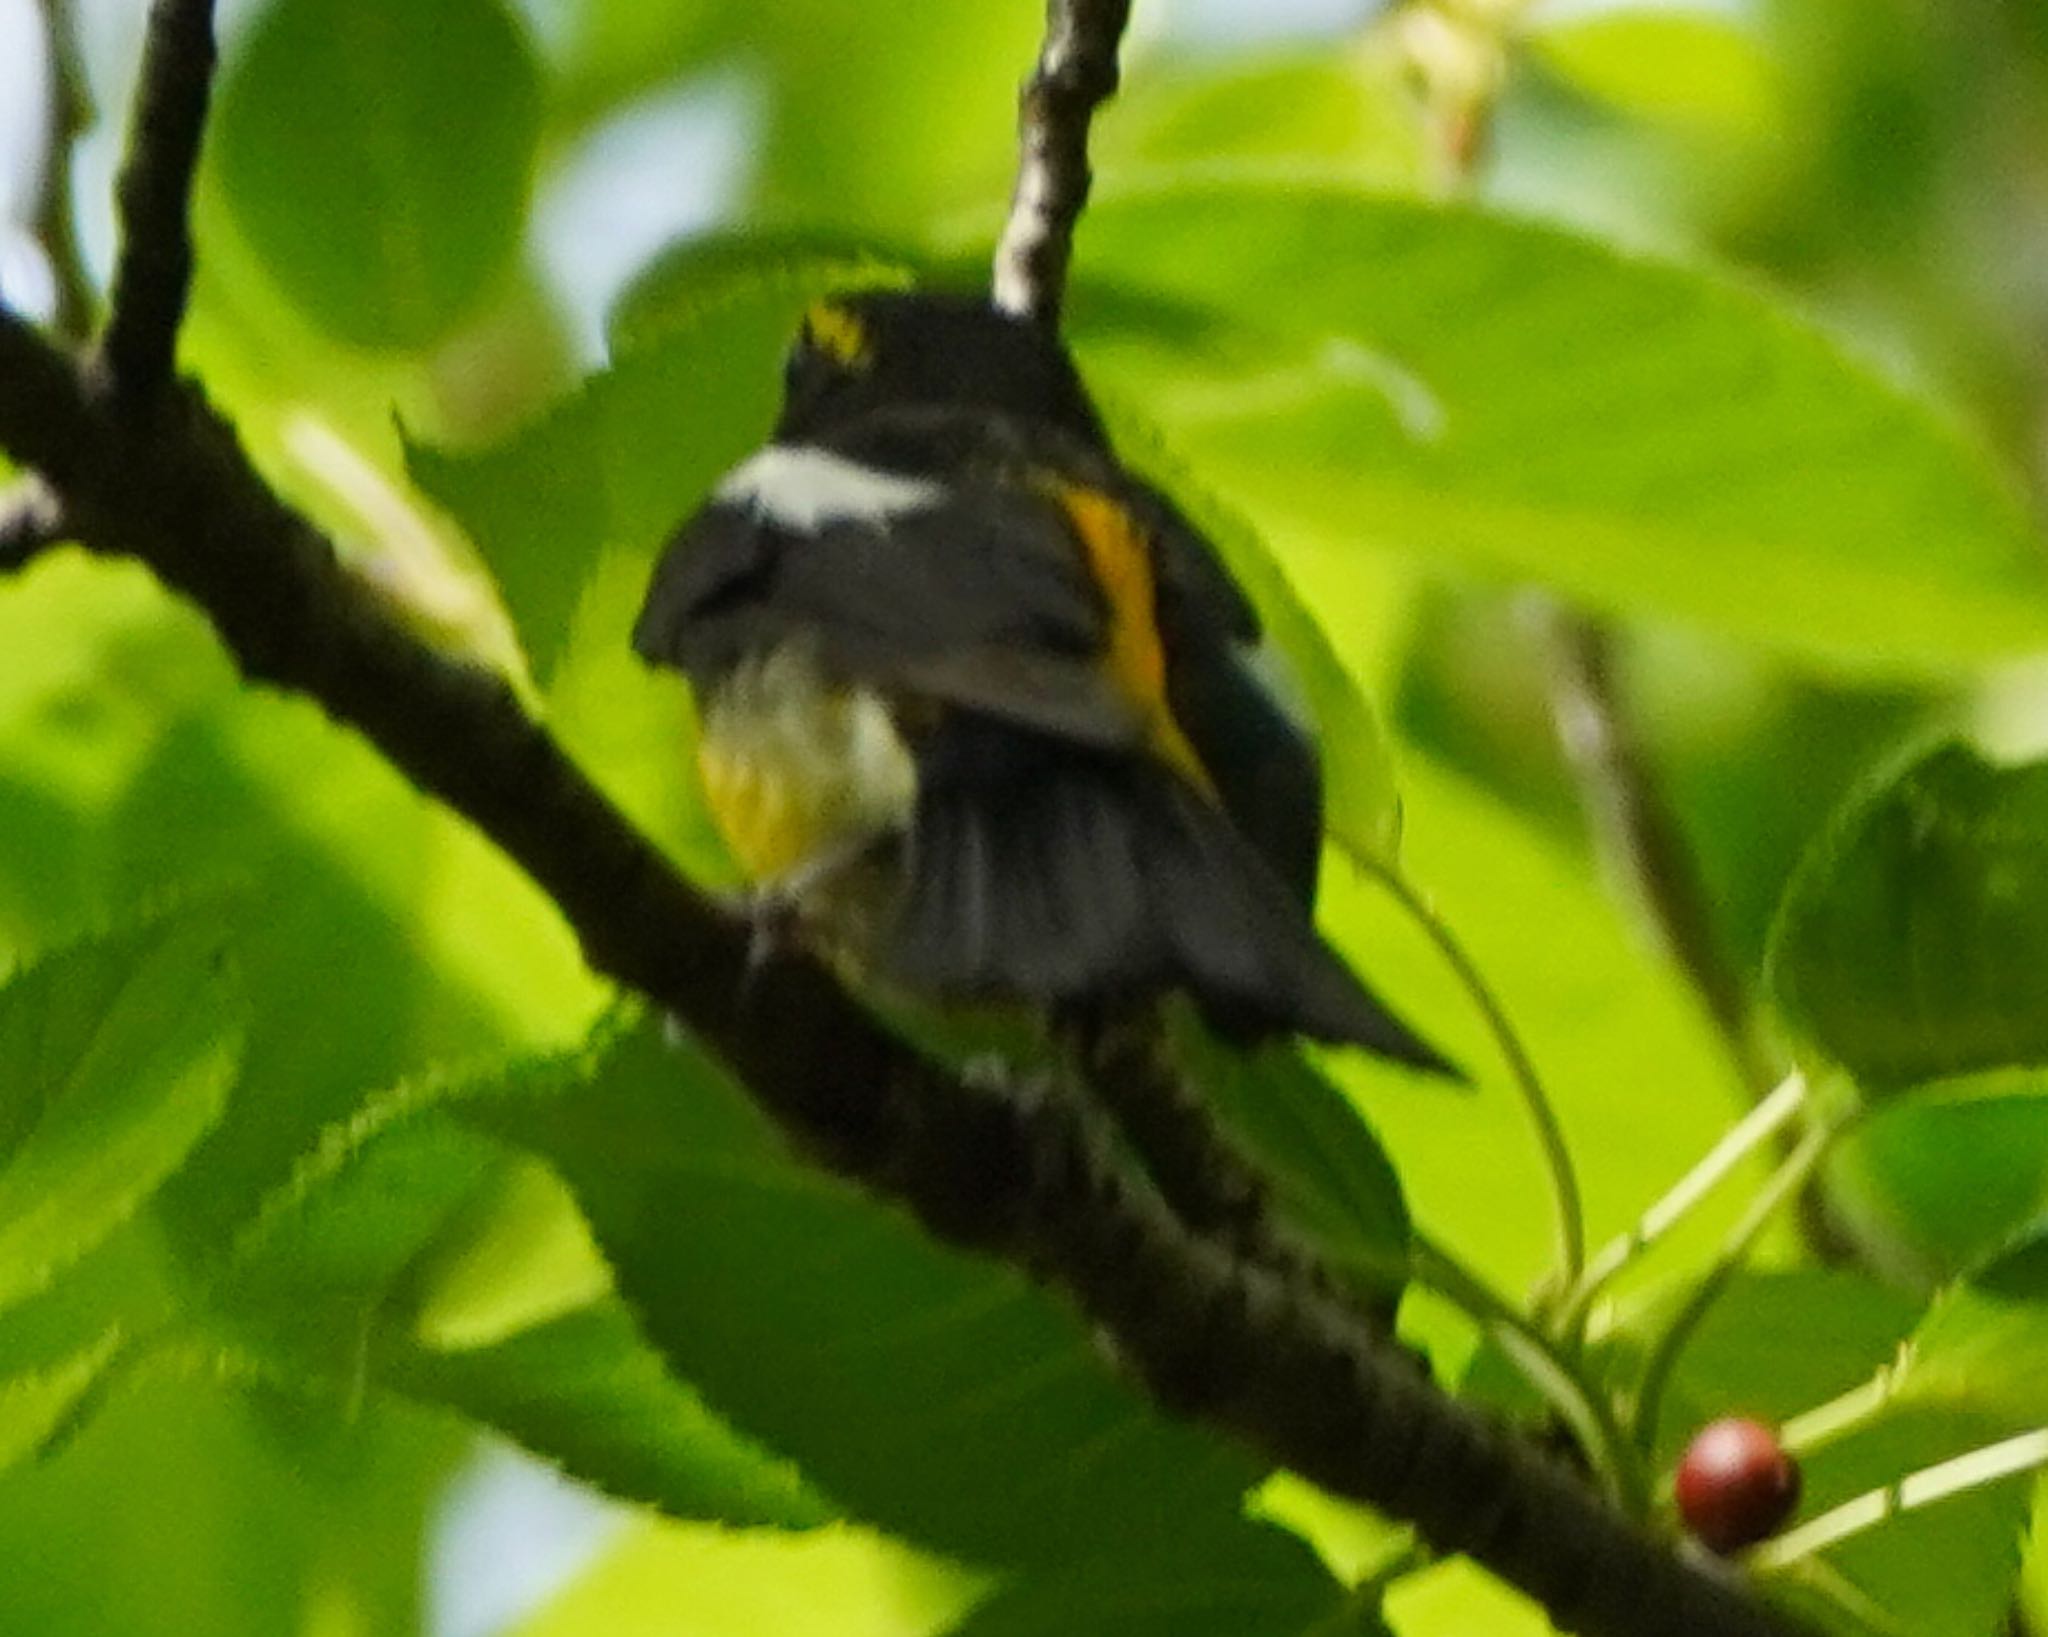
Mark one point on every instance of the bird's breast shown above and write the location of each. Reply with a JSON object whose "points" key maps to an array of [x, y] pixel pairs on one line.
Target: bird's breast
{"points": [[797, 767]]}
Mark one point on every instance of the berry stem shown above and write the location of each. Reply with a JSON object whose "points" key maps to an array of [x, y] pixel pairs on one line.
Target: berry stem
{"points": [[1743, 1139], [2028, 1452], [1550, 1141], [1783, 1185]]}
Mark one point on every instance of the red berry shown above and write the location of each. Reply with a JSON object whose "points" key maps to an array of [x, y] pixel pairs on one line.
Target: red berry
{"points": [[1736, 1484]]}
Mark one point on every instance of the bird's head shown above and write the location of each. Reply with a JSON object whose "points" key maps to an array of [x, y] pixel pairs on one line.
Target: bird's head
{"points": [[855, 354]]}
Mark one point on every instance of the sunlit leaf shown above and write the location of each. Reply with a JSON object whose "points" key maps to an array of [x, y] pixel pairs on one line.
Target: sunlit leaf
{"points": [[1350, 112], [1980, 1347], [116, 1057], [338, 1278], [1685, 65], [1530, 404]]}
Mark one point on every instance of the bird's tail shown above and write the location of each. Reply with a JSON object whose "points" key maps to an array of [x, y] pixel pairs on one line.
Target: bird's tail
{"points": [[1086, 878]]}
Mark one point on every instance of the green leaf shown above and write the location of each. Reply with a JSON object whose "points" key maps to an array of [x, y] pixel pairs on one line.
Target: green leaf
{"points": [[1943, 1570], [936, 1396], [588, 1393], [1638, 1078], [116, 1057], [1780, 1343], [1350, 113], [35, 1404], [1936, 1185], [1980, 1347], [376, 154], [344, 1276], [1912, 943], [1469, 388], [1688, 67], [1269, 1583], [1333, 1178], [1773, 1345], [837, 1582]]}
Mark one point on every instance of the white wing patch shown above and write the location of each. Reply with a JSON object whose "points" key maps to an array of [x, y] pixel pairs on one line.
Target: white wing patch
{"points": [[802, 488]]}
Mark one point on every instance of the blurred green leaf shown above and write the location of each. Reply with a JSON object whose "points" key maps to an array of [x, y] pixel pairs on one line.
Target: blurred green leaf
{"points": [[183, 1509], [1267, 1584], [936, 1396], [1637, 1075], [838, 1582], [880, 115], [377, 153], [1935, 1184], [1345, 112], [1980, 1347], [1466, 387], [116, 1057], [35, 1403], [1944, 1570], [1779, 1343], [1913, 942], [1685, 65]]}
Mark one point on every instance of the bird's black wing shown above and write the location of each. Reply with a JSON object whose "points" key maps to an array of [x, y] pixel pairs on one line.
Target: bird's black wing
{"points": [[978, 597]]}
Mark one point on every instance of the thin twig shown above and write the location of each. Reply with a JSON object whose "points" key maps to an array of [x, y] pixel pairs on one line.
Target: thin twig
{"points": [[1635, 828], [1759, 1126], [2026, 1452], [1076, 73], [56, 221], [153, 276]]}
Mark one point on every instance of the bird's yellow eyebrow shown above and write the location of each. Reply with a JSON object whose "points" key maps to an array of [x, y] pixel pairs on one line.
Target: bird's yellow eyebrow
{"points": [[837, 333]]}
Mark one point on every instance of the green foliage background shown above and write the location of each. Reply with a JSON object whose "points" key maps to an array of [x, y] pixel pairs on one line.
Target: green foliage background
{"points": [[322, 1159]]}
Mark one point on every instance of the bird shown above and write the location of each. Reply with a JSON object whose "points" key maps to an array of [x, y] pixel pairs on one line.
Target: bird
{"points": [[981, 712]]}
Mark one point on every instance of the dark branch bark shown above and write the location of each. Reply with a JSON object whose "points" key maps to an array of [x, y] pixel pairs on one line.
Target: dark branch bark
{"points": [[154, 200], [1255, 1353], [1076, 73]]}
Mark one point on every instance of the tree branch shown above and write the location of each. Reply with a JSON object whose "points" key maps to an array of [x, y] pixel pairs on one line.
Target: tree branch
{"points": [[1635, 829], [995, 1169], [1076, 73], [154, 198], [1034, 1179], [56, 222]]}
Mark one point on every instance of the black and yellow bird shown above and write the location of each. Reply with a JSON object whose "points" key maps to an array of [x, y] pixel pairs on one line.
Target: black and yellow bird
{"points": [[983, 710]]}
